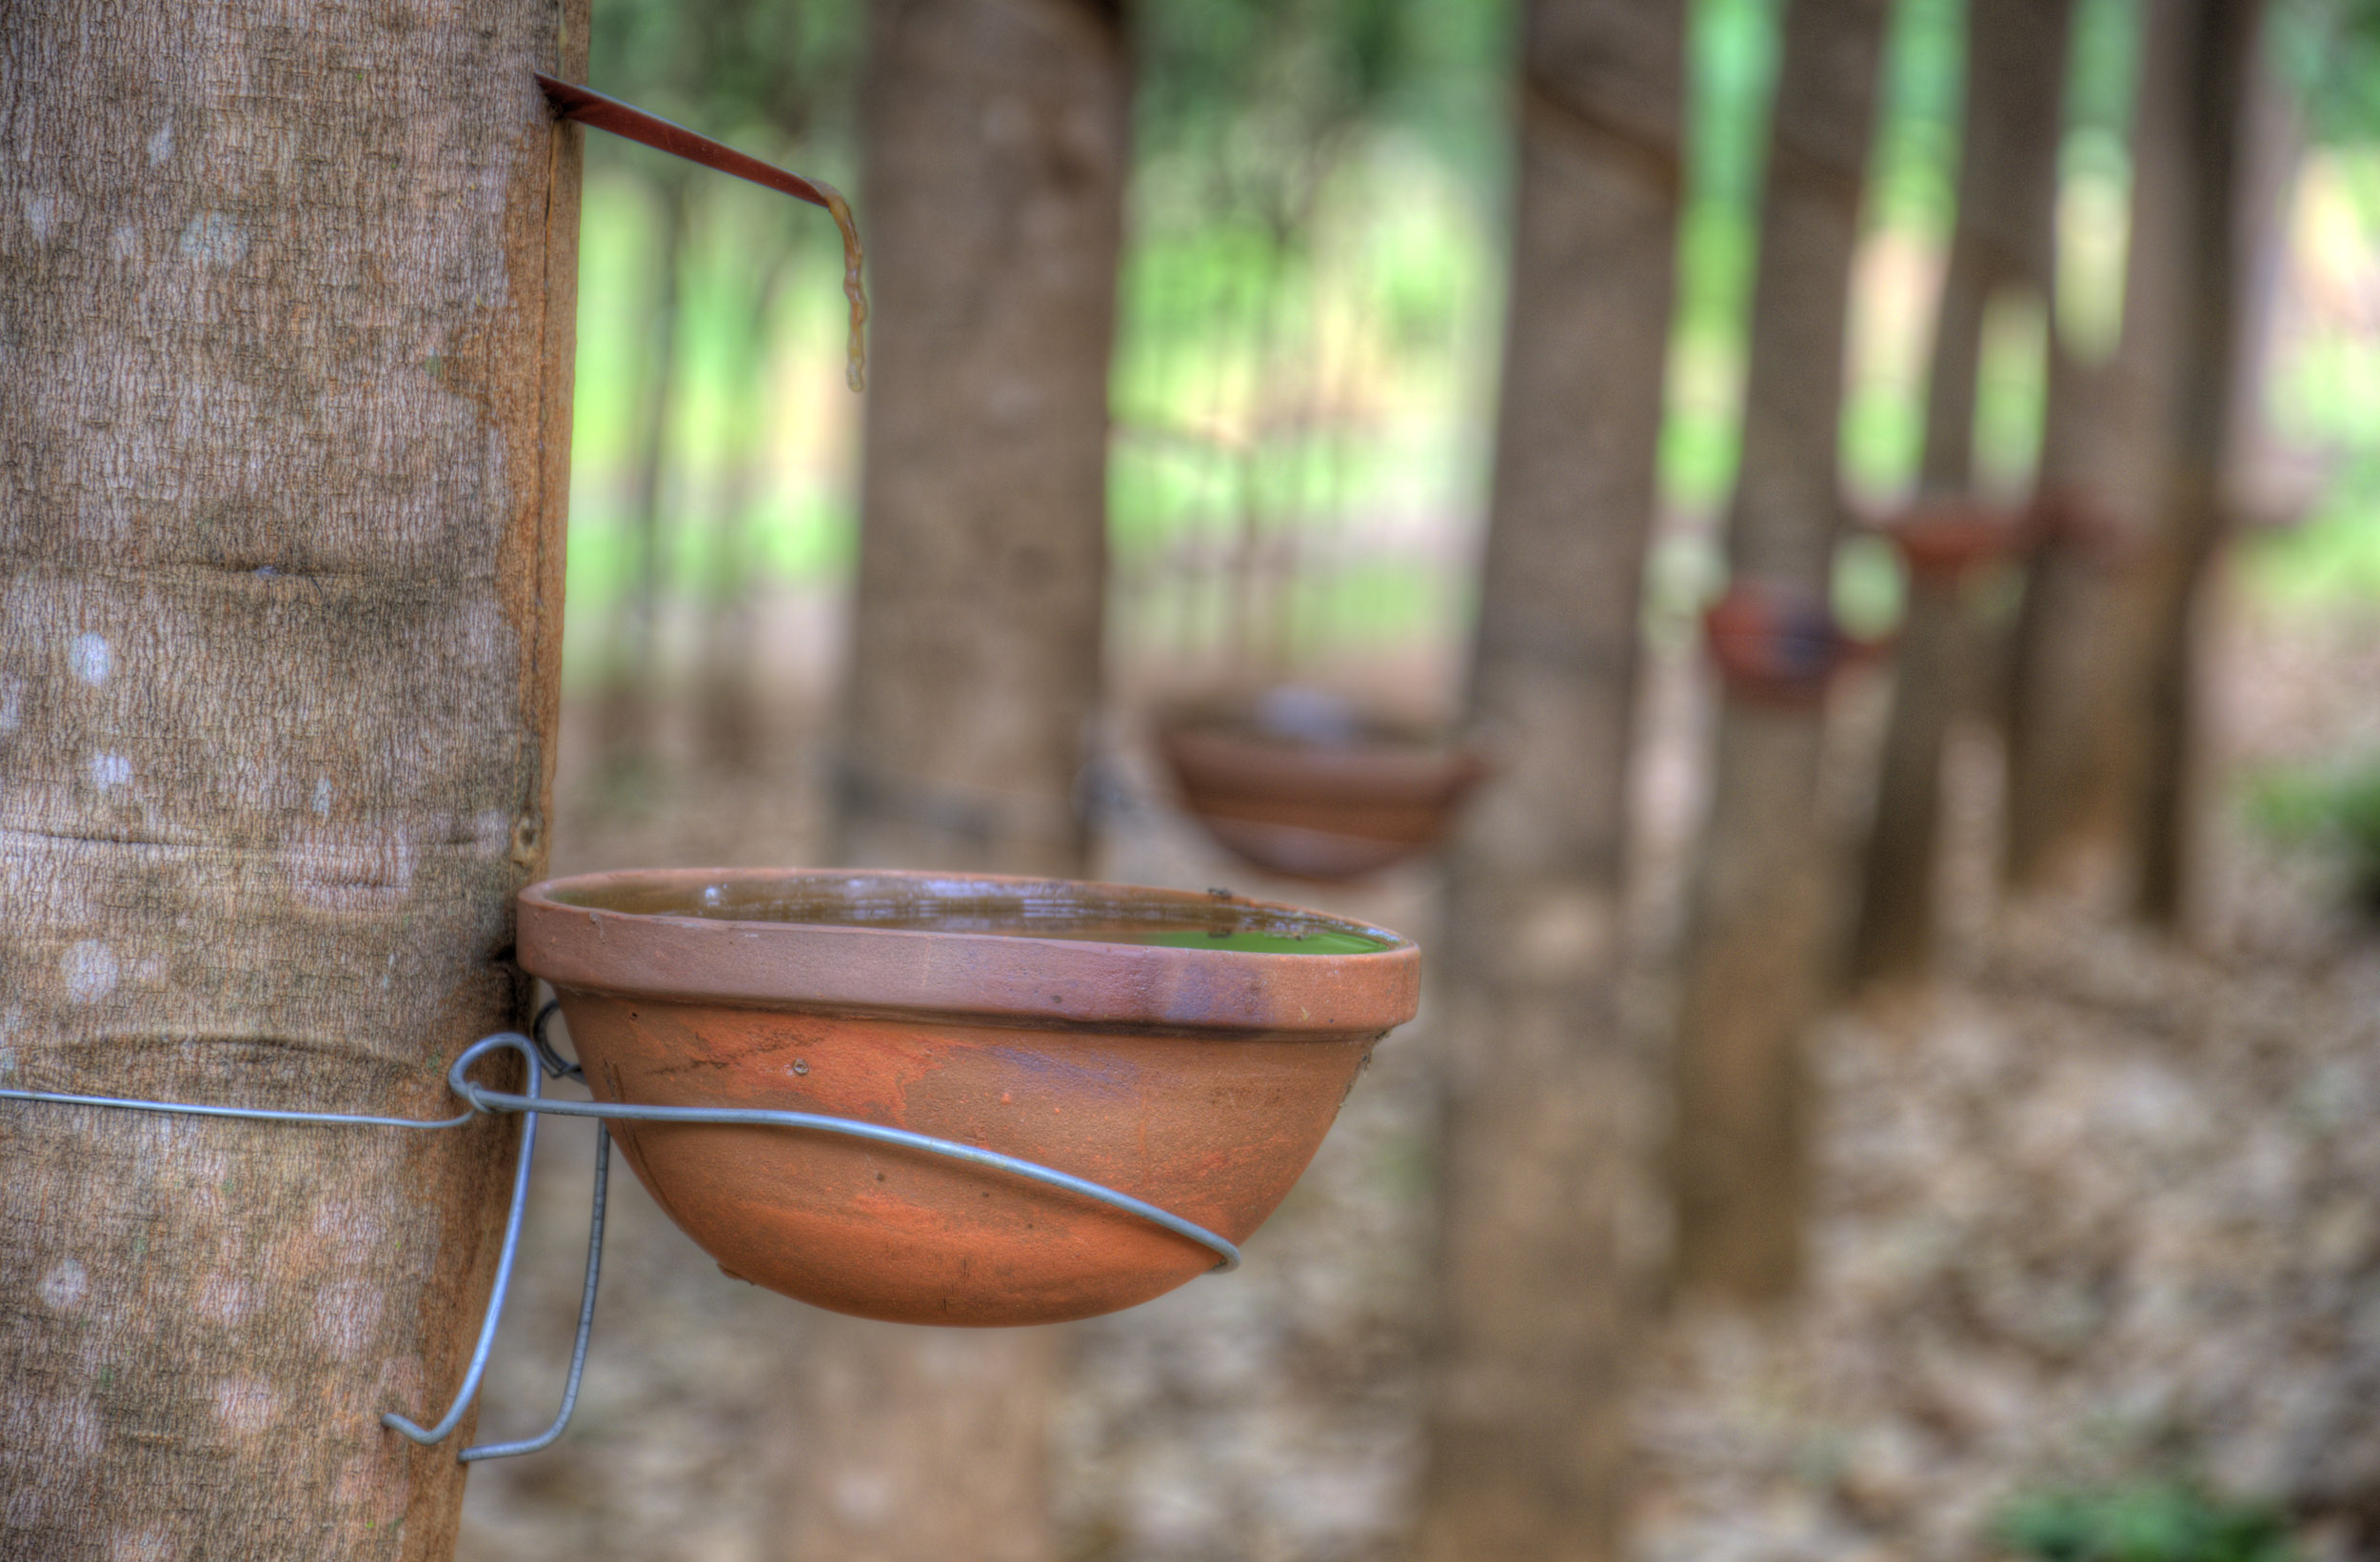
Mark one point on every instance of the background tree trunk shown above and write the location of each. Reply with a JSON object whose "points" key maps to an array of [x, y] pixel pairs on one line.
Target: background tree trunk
{"points": [[993, 147], [2219, 54], [1526, 1454], [1894, 938], [286, 316], [1757, 937], [2061, 751], [2004, 240], [2107, 447]]}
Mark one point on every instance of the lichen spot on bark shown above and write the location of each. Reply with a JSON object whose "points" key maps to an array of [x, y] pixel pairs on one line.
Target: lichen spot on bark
{"points": [[345, 1317], [142, 1545], [862, 1498], [225, 1299], [350, 1230], [246, 1406], [215, 238], [89, 969], [64, 1287], [93, 658]]}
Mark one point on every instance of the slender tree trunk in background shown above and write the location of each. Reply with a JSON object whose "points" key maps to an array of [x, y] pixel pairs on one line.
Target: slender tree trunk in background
{"points": [[2219, 54], [286, 316], [993, 145], [2074, 722], [1758, 939], [995, 154], [2004, 240], [2266, 481], [626, 704], [2058, 752], [1527, 1453], [1894, 938]]}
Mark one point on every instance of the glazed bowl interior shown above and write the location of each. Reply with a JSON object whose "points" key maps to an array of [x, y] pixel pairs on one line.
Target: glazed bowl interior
{"points": [[1056, 909]]}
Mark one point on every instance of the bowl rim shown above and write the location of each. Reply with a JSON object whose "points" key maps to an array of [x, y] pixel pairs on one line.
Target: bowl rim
{"points": [[997, 977]]}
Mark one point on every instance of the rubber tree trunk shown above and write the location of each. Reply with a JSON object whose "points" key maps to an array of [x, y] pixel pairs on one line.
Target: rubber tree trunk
{"points": [[2059, 756], [993, 145], [2075, 724], [2218, 54], [1757, 940], [1894, 938], [1535, 1308], [2004, 240], [286, 316]]}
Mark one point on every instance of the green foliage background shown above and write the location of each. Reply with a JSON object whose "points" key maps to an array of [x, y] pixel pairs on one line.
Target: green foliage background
{"points": [[1311, 298]]}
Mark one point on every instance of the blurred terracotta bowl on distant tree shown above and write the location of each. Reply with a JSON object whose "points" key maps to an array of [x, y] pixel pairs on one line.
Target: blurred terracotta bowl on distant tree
{"points": [[1186, 1050], [1303, 784], [1946, 540], [1778, 646]]}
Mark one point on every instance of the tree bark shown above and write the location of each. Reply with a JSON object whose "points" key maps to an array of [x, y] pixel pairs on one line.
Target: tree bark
{"points": [[993, 147], [287, 300], [1893, 939], [2217, 56], [1757, 937], [2059, 751], [2074, 726], [2004, 240], [1527, 1447]]}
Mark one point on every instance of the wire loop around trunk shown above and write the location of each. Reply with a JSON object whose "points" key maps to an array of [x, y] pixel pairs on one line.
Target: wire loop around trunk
{"points": [[545, 1062]]}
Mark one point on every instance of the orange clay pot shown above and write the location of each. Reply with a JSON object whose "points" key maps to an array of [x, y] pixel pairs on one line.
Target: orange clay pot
{"points": [[974, 1008], [1326, 800]]}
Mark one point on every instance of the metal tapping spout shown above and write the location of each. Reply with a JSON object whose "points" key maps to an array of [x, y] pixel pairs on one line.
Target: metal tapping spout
{"points": [[588, 106]]}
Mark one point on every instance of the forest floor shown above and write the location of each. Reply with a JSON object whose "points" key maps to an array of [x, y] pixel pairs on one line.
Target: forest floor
{"points": [[2092, 1208]]}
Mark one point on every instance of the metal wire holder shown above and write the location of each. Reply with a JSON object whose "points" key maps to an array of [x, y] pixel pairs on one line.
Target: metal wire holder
{"points": [[545, 1062]]}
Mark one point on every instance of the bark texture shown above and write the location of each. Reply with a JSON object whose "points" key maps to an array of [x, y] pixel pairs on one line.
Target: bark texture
{"points": [[285, 315], [2004, 240], [993, 148], [1894, 938], [2218, 56], [2005, 236], [1526, 1454], [2059, 752], [994, 163], [1758, 939], [2074, 728]]}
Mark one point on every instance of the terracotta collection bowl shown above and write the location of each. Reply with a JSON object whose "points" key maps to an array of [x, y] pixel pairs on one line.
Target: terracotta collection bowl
{"points": [[1777, 646], [1178, 1047], [1308, 786]]}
